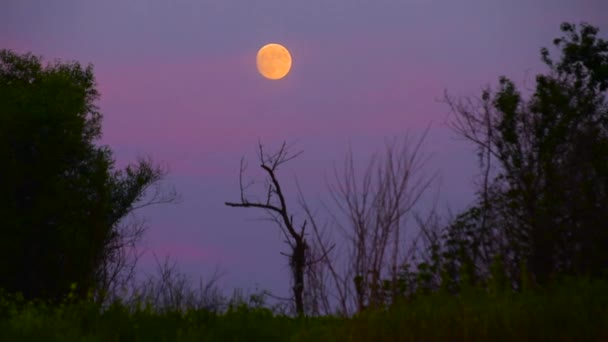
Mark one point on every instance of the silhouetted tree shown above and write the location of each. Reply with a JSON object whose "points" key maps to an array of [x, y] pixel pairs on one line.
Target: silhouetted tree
{"points": [[376, 207], [543, 203], [276, 206], [373, 208], [61, 198]]}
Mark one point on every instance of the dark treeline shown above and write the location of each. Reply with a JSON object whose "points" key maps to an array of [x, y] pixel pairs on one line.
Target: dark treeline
{"points": [[63, 204], [540, 213], [542, 206]]}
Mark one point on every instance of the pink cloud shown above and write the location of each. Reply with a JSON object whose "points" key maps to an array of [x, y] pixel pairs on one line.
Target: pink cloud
{"points": [[182, 251], [14, 45], [176, 104], [190, 112], [222, 102]]}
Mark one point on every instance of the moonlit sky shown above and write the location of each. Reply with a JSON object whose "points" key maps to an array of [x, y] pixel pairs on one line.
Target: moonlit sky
{"points": [[179, 83]]}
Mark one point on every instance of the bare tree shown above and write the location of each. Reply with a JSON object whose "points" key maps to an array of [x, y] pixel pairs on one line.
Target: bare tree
{"points": [[376, 208], [118, 267], [170, 291], [476, 120], [275, 205], [323, 270], [120, 254]]}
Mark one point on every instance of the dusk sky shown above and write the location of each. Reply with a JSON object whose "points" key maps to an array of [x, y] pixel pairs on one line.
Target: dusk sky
{"points": [[178, 82]]}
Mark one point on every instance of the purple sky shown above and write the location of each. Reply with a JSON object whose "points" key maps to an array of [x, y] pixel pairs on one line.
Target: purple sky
{"points": [[179, 83]]}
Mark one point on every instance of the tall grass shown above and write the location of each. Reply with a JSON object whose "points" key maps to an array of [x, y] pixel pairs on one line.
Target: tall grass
{"points": [[574, 310]]}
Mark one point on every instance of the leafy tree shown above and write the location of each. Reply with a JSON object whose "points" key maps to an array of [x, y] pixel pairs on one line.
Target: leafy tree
{"points": [[544, 194], [61, 199]]}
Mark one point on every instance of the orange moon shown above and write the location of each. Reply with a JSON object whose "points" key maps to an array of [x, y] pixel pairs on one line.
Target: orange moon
{"points": [[273, 61]]}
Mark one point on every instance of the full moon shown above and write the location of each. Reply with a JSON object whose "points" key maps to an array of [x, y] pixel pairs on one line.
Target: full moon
{"points": [[273, 61]]}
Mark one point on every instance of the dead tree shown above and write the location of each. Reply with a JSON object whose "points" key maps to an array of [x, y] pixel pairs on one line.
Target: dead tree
{"points": [[375, 209], [321, 269], [279, 213]]}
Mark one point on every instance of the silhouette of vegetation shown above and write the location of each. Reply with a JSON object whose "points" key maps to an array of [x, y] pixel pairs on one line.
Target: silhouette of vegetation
{"points": [[374, 207], [575, 311], [542, 205], [63, 201], [276, 206], [528, 260]]}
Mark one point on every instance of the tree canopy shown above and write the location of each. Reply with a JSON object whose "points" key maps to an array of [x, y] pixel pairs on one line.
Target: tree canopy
{"points": [[543, 203], [61, 196]]}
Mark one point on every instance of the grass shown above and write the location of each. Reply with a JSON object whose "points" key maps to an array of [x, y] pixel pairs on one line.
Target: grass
{"points": [[572, 311]]}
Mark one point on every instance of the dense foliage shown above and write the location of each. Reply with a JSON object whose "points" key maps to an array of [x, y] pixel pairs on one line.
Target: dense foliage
{"points": [[61, 197], [542, 203]]}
